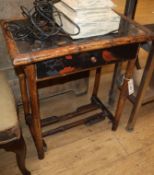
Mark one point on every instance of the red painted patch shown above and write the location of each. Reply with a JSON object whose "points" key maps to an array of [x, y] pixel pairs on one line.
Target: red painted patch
{"points": [[66, 70], [69, 57], [107, 56]]}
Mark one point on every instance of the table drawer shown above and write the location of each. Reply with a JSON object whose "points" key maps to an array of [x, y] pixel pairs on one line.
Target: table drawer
{"points": [[87, 60]]}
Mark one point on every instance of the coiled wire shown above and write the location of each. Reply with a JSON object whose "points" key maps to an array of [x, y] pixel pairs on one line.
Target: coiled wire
{"points": [[40, 22]]}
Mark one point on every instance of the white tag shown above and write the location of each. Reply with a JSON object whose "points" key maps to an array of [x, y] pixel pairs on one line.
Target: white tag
{"points": [[130, 87]]}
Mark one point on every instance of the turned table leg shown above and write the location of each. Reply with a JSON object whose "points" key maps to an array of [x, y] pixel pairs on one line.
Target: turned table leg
{"points": [[35, 109], [24, 95], [97, 82], [123, 93], [114, 86]]}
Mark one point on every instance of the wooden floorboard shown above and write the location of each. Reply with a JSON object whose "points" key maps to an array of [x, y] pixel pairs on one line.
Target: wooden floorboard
{"points": [[144, 12], [94, 150]]}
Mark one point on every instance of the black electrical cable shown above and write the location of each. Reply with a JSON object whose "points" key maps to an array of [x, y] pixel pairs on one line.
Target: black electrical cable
{"points": [[40, 23]]}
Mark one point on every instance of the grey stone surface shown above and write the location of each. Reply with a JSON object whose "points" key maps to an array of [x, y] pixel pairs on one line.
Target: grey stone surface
{"points": [[4, 56], [11, 75], [11, 8]]}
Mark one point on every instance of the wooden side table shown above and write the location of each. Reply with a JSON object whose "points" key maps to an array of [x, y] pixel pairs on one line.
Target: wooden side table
{"points": [[76, 56]]}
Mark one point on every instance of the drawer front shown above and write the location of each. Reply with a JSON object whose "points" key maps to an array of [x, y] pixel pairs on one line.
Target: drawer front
{"points": [[87, 60]]}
